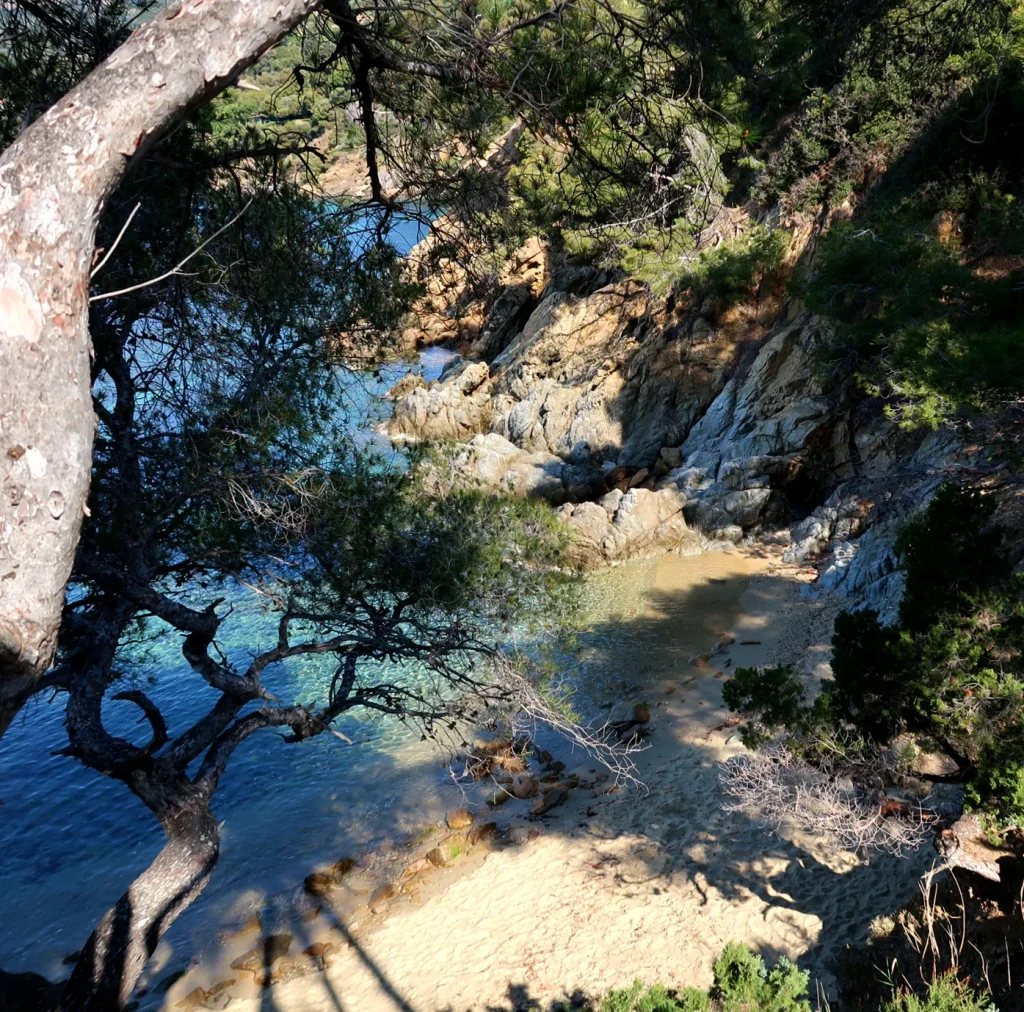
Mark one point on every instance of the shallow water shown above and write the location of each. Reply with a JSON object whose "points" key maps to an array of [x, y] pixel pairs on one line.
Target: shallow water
{"points": [[72, 841]]}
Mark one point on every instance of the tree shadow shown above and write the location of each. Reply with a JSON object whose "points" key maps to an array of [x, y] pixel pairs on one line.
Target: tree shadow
{"points": [[672, 842], [675, 839]]}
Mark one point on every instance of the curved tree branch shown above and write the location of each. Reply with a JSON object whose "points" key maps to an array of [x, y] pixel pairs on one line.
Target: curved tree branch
{"points": [[152, 714]]}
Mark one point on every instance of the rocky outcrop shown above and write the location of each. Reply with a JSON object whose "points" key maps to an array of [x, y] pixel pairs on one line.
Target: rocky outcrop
{"points": [[623, 523], [455, 407], [852, 535], [656, 427], [597, 373]]}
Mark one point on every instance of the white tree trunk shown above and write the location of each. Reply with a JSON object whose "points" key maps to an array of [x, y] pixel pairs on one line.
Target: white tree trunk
{"points": [[54, 181]]}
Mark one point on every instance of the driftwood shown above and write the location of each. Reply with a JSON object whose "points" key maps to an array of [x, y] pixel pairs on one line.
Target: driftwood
{"points": [[965, 845]]}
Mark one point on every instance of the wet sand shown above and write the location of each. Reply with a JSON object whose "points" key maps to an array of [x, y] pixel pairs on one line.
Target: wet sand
{"points": [[640, 883]]}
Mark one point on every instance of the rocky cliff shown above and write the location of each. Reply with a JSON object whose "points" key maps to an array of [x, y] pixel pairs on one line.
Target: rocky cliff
{"points": [[653, 425]]}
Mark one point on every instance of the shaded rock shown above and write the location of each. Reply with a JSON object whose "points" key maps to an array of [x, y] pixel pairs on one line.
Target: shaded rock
{"points": [[499, 797], [196, 998], [557, 795], [274, 947], [409, 382], [417, 867], [524, 786], [966, 845], [252, 925], [435, 857], [538, 475], [379, 898], [320, 953], [319, 883], [481, 833]]}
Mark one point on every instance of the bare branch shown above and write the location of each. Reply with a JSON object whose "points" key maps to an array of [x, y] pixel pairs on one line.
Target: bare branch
{"points": [[778, 786], [116, 243], [176, 269]]}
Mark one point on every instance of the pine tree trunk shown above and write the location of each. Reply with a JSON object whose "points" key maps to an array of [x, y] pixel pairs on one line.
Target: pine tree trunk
{"points": [[117, 951], [54, 181]]}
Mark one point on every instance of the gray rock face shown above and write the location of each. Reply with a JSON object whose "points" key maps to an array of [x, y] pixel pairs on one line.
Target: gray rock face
{"points": [[705, 431], [597, 375], [854, 533]]}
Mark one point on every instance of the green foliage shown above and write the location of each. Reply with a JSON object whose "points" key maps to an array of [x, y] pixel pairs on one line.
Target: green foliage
{"points": [[742, 984], [950, 673], [935, 332], [655, 999], [771, 699], [944, 994], [46, 49]]}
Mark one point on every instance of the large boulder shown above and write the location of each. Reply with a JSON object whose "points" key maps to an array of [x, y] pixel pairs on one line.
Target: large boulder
{"points": [[629, 525], [455, 407]]}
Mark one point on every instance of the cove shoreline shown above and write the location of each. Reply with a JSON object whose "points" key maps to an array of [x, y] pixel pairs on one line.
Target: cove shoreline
{"points": [[630, 882]]}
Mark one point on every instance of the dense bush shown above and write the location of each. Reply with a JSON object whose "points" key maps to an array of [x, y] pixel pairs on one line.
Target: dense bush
{"points": [[944, 994], [744, 984]]}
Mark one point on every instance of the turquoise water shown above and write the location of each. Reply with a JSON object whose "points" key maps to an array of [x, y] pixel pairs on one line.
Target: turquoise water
{"points": [[72, 840]]}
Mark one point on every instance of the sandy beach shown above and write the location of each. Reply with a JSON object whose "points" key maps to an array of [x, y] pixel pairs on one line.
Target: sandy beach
{"points": [[643, 882]]}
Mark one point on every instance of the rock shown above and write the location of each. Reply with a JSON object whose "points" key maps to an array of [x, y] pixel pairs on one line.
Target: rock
{"points": [[537, 475], [481, 833], [458, 818], [550, 799], [457, 408], [633, 524], [196, 998], [417, 867], [319, 883], [435, 857], [671, 456], [286, 969], [379, 898], [321, 954], [965, 845], [499, 797], [250, 926], [409, 382], [274, 947], [524, 786], [641, 713]]}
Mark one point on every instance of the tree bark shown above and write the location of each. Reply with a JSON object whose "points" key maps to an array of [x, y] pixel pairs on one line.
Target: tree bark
{"points": [[117, 951], [54, 181]]}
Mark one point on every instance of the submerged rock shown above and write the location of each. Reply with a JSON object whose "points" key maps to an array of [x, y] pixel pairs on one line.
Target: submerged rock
{"points": [[274, 947]]}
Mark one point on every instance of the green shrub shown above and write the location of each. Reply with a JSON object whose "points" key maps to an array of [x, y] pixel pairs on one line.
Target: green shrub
{"points": [[950, 673], [945, 994], [744, 984], [655, 999]]}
